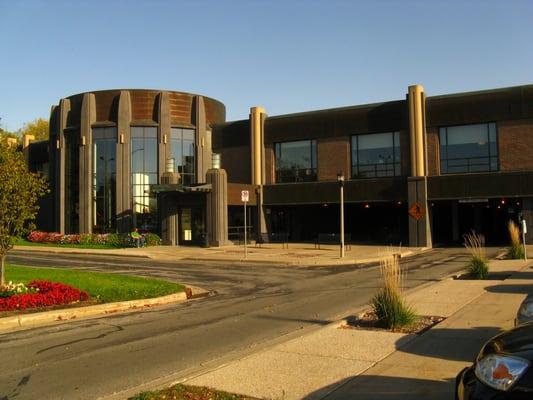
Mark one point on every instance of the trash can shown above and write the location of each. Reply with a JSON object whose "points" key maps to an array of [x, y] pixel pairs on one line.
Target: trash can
{"points": [[204, 239]]}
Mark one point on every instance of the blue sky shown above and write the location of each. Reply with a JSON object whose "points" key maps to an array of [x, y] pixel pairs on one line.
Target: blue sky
{"points": [[288, 56]]}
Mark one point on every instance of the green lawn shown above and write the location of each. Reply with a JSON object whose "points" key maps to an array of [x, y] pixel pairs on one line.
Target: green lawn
{"points": [[24, 242], [185, 392], [103, 286]]}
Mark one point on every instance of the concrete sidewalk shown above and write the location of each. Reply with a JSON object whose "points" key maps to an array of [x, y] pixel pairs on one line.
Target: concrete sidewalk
{"points": [[296, 254], [338, 363]]}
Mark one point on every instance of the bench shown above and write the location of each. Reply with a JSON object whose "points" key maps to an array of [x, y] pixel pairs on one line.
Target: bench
{"points": [[333, 238], [276, 237]]}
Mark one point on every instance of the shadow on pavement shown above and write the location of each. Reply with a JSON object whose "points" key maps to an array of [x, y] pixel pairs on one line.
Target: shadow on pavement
{"points": [[451, 344], [373, 387], [509, 288]]}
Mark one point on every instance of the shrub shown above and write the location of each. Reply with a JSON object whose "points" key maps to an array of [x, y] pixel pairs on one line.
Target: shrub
{"points": [[86, 238], [151, 239], [516, 251], [389, 304], [478, 266]]}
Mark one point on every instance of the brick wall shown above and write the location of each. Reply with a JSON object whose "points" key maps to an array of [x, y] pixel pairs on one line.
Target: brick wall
{"points": [[433, 151], [236, 161], [270, 164], [515, 145], [333, 156]]}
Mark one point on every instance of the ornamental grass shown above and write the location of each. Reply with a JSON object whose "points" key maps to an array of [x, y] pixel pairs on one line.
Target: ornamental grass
{"points": [[516, 251], [478, 266], [389, 303]]}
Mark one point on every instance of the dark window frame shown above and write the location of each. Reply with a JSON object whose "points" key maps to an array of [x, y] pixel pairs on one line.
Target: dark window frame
{"points": [[186, 178], [396, 165], [145, 220], [107, 135], [489, 157], [297, 177]]}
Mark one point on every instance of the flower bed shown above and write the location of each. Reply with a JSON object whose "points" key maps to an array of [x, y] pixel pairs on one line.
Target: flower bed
{"points": [[42, 294], [89, 239]]}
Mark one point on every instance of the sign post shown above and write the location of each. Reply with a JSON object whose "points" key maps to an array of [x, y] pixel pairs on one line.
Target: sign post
{"points": [[524, 231], [245, 197]]}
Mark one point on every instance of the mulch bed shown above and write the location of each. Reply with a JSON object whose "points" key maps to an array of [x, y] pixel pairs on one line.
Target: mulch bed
{"points": [[186, 392], [492, 276], [369, 321]]}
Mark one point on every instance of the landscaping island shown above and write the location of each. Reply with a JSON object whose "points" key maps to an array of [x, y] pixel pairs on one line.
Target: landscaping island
{"points": [[185, 392], [63, 285]]}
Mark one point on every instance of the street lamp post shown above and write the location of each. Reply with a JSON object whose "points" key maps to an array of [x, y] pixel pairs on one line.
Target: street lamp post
{"points": [[340, 179]]}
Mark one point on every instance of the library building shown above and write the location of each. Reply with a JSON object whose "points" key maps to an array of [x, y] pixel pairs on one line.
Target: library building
{"points": [[417, 171]]}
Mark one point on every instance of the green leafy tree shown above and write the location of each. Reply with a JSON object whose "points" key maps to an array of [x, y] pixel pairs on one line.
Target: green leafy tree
{"points": [[38, 128], [19, 192], [6, 134]]}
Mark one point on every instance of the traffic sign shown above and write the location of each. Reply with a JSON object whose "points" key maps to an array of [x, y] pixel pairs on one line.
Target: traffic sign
{"points": [[417, 211], [245, 196]]}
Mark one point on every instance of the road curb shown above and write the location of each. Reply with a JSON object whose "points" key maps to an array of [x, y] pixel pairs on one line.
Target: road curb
{"points": [[55, 250], [46, 318]]}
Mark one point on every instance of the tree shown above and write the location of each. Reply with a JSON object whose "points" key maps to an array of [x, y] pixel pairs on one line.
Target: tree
{"points": [[6, 134], [38, 128], [19, 192]]}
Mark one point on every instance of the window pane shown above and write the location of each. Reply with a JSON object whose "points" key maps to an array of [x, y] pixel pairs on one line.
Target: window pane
{"points": [[296, 161], [137, 132], [183, 152], [104, 181], [468, 148], [376, 155]]}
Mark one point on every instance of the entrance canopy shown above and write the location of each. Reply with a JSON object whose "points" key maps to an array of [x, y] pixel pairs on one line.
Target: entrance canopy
{"points": [[202, 188]]}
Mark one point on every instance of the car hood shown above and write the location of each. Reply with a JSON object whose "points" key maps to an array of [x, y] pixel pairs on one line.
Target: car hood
{"points": [[517, 341]]}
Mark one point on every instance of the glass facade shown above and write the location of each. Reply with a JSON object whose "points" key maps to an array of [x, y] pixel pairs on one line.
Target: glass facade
{"points": [[468, 148], [72, 188], [182, 151], [376, 155], [104, 179], [296, 161], [144, 173]]}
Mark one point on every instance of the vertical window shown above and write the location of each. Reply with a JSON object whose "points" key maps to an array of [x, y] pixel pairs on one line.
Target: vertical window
{"points": [[72, 189], [104, 179], [468, 148], [296, 161], [376, 155], [144, 173], [182, 151]]}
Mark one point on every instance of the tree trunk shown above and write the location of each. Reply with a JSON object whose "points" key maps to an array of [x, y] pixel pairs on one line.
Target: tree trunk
{"points": [[2, 271]]}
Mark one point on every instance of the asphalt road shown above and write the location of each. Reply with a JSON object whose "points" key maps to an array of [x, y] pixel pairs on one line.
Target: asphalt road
{"points": [[254, 306]]}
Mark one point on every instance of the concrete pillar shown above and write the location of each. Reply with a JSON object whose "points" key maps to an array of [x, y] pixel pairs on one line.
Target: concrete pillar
{"points": [[527, 214], [26, 139], [88, 117], [217, 207], [123, 164], [258, 177], [163, 117], [203, 141], [169, 219], [419, 225], [168, 210]]}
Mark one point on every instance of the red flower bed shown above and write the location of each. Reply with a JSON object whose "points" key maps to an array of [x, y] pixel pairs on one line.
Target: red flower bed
{"points": [[49, 294]]}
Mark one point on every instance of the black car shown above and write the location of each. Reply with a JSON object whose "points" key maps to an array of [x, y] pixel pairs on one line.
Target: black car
{"points": [[525, 312], [503, 368]]}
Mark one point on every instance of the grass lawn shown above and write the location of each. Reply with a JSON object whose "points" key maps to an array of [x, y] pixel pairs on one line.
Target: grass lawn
{"points": [[24, 242], [103, 286], [183, 392]]}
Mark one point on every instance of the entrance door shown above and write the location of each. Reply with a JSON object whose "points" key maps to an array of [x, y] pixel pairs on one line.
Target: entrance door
{"points": [[191, 225]]}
